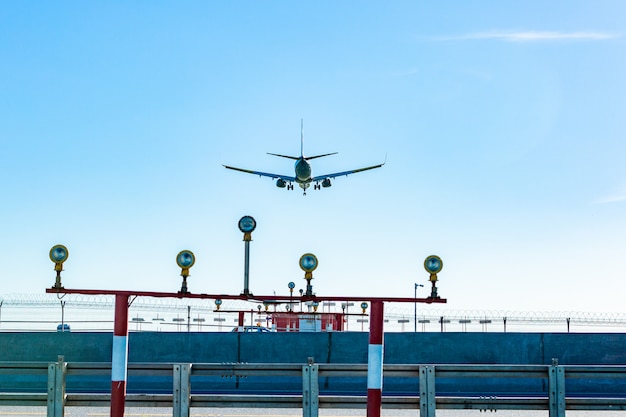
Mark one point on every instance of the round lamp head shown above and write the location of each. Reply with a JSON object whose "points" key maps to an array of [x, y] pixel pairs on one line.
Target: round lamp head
{"points": [[308, 262], [58, 254], [291, 285], [185, 259], [247, 224], [433, 264]]}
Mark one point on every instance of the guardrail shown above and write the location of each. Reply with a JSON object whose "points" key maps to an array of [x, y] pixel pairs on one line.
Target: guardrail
{"points": [[309, 398]]}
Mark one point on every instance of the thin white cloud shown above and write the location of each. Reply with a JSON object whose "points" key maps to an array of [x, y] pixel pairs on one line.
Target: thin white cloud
{"points": [[618, 198], [534, 36]]}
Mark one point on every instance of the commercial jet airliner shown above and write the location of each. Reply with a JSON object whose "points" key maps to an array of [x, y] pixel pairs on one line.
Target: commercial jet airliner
{"points": [[303, 171]]}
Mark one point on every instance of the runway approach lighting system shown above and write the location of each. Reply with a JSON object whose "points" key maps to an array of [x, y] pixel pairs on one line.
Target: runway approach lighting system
{"points": [[58, 255], [185, 259], [308, 263], [247, 224], [433, 265]]}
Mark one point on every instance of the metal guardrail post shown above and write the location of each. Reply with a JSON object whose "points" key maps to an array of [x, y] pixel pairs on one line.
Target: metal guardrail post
{"points": [[310, 389], [556, 387], [428, 402], [56, 387], [182, 390]]}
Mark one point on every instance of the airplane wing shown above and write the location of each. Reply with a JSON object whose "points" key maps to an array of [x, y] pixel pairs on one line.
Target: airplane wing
{"points": [[340, 174], [262, 174]]}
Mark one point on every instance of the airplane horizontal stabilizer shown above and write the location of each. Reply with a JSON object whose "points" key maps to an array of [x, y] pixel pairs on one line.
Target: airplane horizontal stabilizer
{"points": [[285, 156], [319, 156]]}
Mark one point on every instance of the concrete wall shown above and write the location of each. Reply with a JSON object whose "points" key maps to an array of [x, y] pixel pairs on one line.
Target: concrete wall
{"points": [[467, 348], [415, 348]]}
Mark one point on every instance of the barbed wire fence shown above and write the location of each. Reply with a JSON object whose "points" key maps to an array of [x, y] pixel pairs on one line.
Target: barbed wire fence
{"points": [[45, 312]]}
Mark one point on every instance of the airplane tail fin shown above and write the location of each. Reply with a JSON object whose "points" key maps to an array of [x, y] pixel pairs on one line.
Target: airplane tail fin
{"points": [[302, 144], [302, 148]]}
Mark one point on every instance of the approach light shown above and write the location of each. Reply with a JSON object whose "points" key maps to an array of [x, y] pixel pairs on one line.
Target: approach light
{"points": [[58, 255], [247, 224], [218, 303], [433, 265], [364, 307], [185, 260], [308, 263], [315, 305]]}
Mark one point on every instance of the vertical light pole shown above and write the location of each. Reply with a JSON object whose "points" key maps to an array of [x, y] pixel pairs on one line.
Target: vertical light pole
{"points": [[62, 315], [291, 286], [247, 224], [415, 307]]}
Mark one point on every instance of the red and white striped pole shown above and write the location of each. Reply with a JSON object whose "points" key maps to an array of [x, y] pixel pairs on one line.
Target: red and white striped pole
{"points": [[375, 361], [119, 360]]}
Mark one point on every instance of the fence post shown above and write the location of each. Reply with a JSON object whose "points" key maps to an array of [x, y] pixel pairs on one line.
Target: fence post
{"points": [[310, 389], [428, 401], [556, 387], [182, 390], [56, 387]]}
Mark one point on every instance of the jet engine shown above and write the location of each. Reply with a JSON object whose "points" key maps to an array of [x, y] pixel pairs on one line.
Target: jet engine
{"points": [[326, 183], [280, 183]]}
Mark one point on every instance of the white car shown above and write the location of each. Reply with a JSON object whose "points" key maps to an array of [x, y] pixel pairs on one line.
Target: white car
{"points": [[252, 329]]}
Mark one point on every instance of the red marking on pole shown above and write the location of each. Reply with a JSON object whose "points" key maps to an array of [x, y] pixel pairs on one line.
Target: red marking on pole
{"points": [[374, 402], [375, 361], [241, 319], [119, 358], [376, 323], [118, 398]]}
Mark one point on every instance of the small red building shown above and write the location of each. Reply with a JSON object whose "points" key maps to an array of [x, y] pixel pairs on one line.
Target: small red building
{"points": [[308, 322]]}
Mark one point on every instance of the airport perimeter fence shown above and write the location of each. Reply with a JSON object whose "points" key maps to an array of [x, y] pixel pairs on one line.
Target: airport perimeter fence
{"points": [[74, 312]]}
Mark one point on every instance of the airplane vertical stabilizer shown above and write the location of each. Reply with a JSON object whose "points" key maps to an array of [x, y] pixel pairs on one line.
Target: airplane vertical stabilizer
{"points": [[301, 138]]}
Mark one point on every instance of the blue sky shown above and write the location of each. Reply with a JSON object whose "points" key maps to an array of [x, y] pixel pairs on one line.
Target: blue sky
{"points": [[502, 123]]}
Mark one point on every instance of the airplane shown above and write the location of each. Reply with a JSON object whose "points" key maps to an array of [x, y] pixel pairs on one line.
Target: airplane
{"points": [[303, 171]]}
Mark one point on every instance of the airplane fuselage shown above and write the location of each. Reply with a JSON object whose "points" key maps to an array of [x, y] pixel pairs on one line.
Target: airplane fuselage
{"points": [[303, 170]]}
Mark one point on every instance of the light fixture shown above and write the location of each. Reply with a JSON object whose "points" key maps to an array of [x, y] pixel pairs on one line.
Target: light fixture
{"points": [[58, 255], [433, 265], [185, 260], [308, 263]]}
